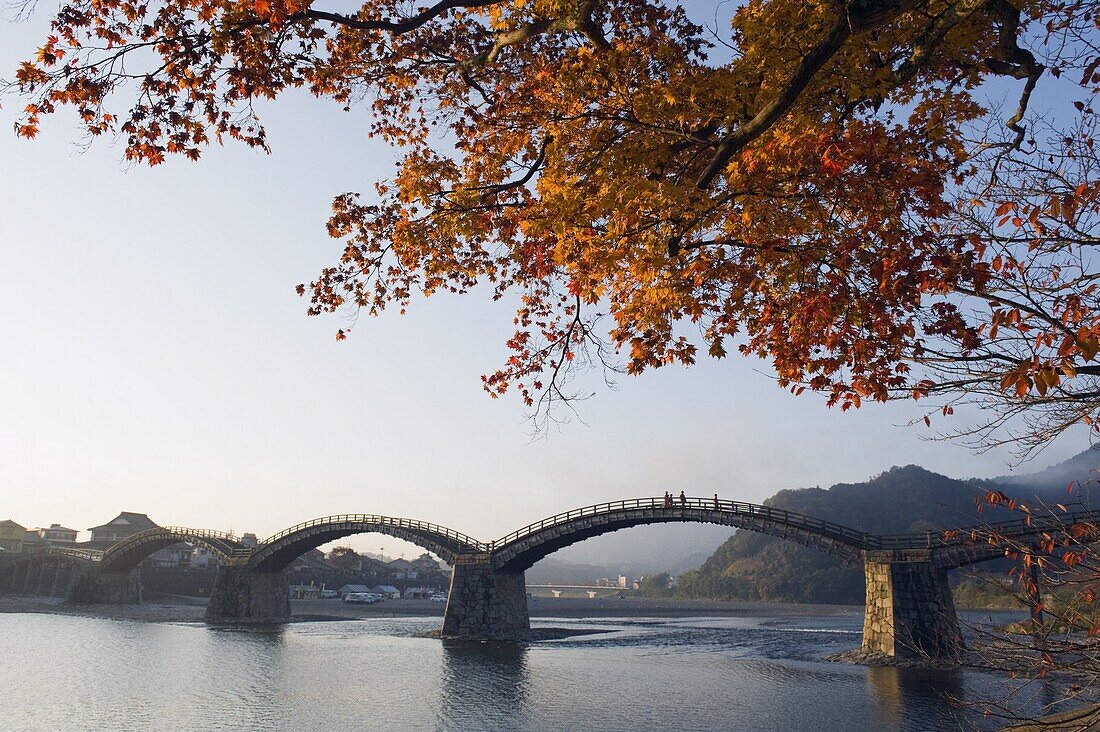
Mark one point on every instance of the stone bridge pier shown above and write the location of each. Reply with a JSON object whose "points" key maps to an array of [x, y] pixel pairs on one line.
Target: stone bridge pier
{"points": [[485, 603], [909, 611], [94, 586], [244, 595]]}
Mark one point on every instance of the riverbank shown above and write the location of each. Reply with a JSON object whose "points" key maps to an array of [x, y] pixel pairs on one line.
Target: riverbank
{"points": [[175, 608]]}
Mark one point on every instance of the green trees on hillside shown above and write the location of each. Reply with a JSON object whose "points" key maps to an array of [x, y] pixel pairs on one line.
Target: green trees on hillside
{"points": [[751, 566], [657, 585]]}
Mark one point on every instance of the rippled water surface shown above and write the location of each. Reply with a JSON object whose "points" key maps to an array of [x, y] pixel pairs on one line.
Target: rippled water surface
{"points": [[71, 673]]}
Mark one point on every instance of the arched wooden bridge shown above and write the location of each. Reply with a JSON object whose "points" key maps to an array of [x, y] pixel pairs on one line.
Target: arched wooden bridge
{"points": [[278, 551], [906, 573], [46, 571], [952, 548], [128, 553]]}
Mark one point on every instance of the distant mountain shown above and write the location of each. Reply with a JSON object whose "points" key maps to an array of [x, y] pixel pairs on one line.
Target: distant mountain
{"points": [[554, 570], [691, 561], [753, 566], [1081, 469], [645, 550]]}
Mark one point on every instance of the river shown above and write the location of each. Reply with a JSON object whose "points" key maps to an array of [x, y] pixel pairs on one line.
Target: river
{"points": [[60, 672]]}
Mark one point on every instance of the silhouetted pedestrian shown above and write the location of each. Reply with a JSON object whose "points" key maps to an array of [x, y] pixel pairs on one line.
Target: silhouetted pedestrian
{"points": [[683, 500], [715, 501]]}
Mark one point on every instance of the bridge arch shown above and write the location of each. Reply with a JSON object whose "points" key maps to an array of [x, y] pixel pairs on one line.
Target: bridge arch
{"points": [[277, 552], [128, 553], [519, 550], [47, 571]]}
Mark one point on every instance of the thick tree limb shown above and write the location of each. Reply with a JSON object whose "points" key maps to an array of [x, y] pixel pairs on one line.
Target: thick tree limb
{"points": [[860, 16], [581, 21], [1016, 62], [934, 35], [773, 110], [396, 27]]}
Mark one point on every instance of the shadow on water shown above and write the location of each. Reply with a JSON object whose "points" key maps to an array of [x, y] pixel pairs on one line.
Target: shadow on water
{"points": [[260, 632], [484, 685], [255, 687]]}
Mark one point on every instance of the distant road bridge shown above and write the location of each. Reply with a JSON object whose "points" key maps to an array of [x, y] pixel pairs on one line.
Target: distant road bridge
{"points": [[592, 591], [908, 608]]}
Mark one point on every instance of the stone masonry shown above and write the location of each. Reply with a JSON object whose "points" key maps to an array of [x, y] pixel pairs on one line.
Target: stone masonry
{"points": [[94, 587], [909, 611], [484, 603], [241, 595]]}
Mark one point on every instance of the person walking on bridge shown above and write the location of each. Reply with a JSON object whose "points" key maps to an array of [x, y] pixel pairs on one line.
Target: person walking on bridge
{"points": [[683, 500], [715, 501]]}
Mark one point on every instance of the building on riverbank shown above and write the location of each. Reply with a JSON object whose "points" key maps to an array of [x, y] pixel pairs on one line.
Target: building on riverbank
{"points": [[351, 588], [402, 569], [55, 534], [304, 592], [127, 523], [388, 591], [11, 536]]}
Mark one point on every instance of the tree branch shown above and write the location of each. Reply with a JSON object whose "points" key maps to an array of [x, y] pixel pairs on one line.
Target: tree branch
{"points": [[396, 27], [860, 17]]}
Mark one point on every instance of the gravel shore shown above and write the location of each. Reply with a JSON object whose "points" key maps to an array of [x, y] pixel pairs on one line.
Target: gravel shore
{"points": [[177, 609]]}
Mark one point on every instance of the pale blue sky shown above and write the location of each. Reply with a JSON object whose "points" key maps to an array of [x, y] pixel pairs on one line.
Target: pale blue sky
{"points": [[158, 360]]}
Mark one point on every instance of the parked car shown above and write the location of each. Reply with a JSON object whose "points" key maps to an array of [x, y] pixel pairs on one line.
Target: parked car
{"points": [[439, 598], [329, 594], [363, 598]]}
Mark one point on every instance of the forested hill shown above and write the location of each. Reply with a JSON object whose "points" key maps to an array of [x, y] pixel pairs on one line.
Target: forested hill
{"points": [[751, 566]]}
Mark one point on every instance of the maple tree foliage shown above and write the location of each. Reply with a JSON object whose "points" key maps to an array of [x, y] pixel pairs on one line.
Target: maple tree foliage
{"points": [[1027, 353], [1056, 573], [801, 187]]}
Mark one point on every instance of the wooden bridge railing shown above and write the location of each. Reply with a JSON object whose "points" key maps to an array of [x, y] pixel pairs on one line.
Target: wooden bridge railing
{"points": [[827, 528], [398, 523], [984, 533], [997, 531], [222, 542], [92, 555], [1027, 526]]}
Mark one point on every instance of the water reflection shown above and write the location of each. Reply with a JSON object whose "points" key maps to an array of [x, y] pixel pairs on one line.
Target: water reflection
{"points": [[252, 685], [905, 694], [484, 685], [683, 675]]}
